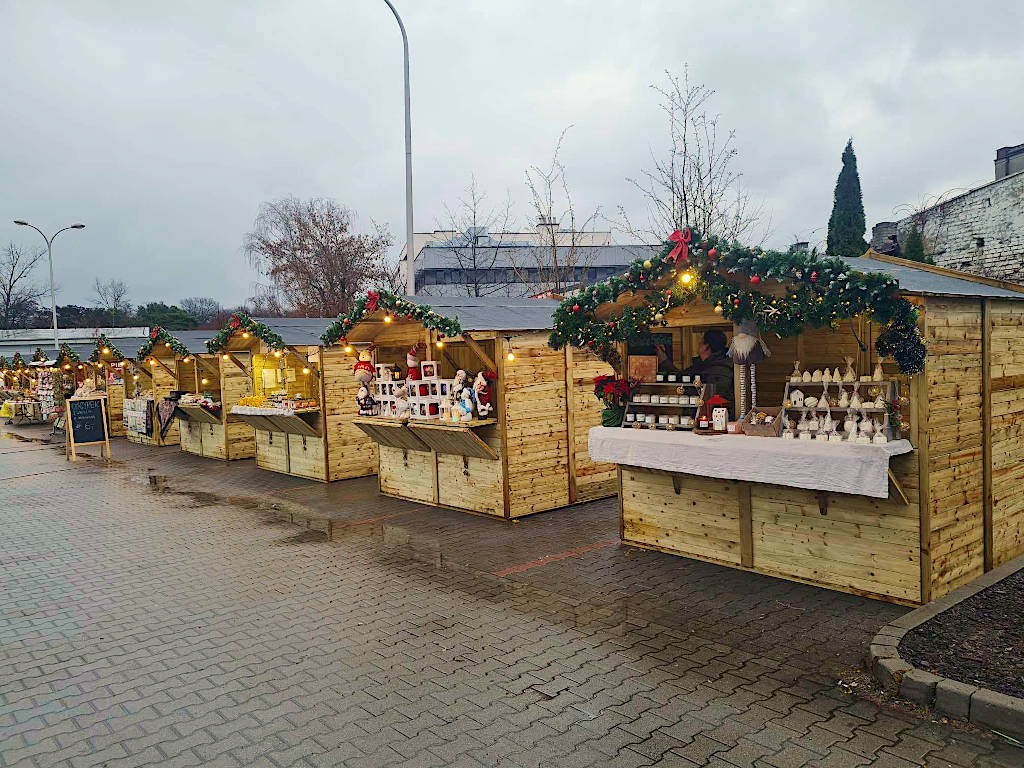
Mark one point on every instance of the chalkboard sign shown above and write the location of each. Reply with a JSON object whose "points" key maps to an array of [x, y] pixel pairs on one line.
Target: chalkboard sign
{"points": [[87, 423]]}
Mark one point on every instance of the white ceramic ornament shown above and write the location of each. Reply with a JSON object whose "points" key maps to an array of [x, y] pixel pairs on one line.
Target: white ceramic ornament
{"points": [[879, 438], [788, 435], [816, 376], [879, 402], [850, 425], [850, 375], [878, 375], [805, 424], [844, 398], [796, 397], [867, 426], [835, 437], [810, 401], [827, 422], [807, 376], [795, 375], [855, 401]]}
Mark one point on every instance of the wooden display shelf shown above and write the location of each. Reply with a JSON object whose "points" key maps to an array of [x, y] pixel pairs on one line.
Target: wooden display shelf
{"points": [[198, 413], [305, 422], [455, 439], [390, 432]]}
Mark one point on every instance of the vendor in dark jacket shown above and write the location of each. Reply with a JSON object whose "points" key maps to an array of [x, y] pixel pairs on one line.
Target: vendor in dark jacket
{"points": [[712, 365]]}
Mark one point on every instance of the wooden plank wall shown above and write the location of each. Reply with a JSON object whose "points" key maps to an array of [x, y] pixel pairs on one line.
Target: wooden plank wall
{"points": [[234, 385], [536, 424], [350, 453], [163, 383], [1007, 435], [594, 480], [406, 474], [953, 333], [115, 404]]}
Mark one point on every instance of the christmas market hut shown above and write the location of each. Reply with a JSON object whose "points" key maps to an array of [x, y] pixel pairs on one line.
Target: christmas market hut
{"points": [[108, 361], [18, 387], [153, 388], [302, 400], [875, 445], [207, 389], [469, 407]]}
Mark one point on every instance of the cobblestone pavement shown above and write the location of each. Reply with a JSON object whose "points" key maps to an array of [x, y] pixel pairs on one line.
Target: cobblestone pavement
{"points": [[140, 625]]}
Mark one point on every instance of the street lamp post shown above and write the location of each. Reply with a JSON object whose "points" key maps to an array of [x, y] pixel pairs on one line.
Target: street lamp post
{"points": [[410, 270], [49, 255]]}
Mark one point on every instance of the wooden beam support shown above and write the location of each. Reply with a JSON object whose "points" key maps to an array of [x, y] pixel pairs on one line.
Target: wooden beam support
{"points": [[570, 422], [899, 488], [919, 396], [237, 362], [479, 352], [986, 431], [159, 362], [746, 526], [207, 367]]}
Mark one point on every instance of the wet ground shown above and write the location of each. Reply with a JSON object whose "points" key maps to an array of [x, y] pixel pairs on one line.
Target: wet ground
{"points": [[168, 609]]}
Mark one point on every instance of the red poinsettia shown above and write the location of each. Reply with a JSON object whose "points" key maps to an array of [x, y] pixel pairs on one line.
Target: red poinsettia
{"points": [[235, 322], [154, 333], [612, 391]]}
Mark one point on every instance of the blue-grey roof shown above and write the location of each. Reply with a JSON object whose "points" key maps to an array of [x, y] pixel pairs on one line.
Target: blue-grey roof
{"points": [[194, 341], [528, 256], [297, 331], [493, 313], [914, 280]]}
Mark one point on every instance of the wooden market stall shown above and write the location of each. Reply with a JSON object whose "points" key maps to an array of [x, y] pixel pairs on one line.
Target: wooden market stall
{"points": [[905, 520], [108, 361], [302, 401], [149, 411], [211, 386], [18, 387], [528, 454]]}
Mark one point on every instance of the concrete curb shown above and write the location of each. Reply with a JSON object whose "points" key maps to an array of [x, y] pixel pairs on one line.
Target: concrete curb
{"points": [[989, 709]]}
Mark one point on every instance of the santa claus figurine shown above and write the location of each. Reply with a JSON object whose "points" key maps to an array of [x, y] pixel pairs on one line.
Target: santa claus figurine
{"points": [[482, 392], [412, 361], [363, 371]]}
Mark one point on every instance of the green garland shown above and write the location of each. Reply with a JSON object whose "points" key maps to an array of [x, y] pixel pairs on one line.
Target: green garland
{"points": [[820, 293], [4, 365], [67, 354], [39, 356], [101, 342], [242, 323], [160, 336], [18, 361], [392, 303]]}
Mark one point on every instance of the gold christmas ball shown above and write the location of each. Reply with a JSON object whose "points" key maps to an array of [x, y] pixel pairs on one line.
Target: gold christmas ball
{"points": [[718, 309], [648, 264], [659, 317]]}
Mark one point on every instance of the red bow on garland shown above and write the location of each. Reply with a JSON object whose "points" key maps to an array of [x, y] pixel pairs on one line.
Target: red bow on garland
{"points": [[374, 300], [682, 241]]}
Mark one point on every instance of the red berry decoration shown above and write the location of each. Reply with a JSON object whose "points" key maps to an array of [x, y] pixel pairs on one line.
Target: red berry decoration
{"points": [[754, 279], [814, 277], [575, 307]]}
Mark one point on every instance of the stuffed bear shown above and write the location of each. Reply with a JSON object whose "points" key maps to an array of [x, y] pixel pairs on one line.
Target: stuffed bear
{"points": [[363, 369]]}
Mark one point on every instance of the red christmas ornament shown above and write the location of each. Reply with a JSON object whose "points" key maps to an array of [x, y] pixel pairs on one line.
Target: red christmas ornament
{"points": [[735, 302], [611, 324], [754, 279], [575, 307], [814, 277], [712, 253]]}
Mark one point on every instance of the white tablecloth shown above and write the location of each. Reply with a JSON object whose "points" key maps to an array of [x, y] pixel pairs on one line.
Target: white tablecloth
{"points": [[838, 467]]}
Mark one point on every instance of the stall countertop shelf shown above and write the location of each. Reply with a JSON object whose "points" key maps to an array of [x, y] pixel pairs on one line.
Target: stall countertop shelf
{"points": [[432, 423], [836, 467]]}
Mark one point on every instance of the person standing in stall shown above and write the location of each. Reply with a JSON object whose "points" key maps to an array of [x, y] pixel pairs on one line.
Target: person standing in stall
{"points": [[712, 364]]}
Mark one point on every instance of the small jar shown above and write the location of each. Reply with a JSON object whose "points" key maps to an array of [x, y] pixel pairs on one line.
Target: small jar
{"points": [[672, 377], [660, 377]]}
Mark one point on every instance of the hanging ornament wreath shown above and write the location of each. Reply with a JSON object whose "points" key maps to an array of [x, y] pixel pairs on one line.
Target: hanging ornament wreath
{"points": [[820, 292], [242, 323], [159, 336], [103, 343], [396, 306]]}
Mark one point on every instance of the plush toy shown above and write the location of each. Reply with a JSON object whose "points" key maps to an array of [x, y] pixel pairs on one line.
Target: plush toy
{"points": [[363, 369], [747, 348], [482, 392], [464, 408], [402, 408], [365, 401], [458, 384], [412, 361]]}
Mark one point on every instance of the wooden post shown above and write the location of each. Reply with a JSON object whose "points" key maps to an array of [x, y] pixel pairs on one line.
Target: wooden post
{"points": [[746, 526], [570, 421], [919, 388], [159, 362], [501, 348], [986, 429]]}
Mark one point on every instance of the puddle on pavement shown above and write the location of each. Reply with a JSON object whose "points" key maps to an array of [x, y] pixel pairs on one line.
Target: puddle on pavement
{"points": [[25, 438]]}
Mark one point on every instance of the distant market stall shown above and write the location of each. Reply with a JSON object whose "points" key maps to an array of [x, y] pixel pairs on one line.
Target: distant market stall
{"points": [[108, 362], [209, 388], [871, 462], [153, 391], [19, 388], [303, 397], [469, 407]]}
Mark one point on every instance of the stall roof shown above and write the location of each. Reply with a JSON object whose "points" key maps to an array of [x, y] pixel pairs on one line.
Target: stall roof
{"points": [[923, 281], [493, 313], [194, 341], [297, 331]]}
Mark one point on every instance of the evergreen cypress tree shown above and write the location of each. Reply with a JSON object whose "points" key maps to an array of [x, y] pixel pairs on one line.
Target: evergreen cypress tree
{"points": [[846, 226], [913, 248]]}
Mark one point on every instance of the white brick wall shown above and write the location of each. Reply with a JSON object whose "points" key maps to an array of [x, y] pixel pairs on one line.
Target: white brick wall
{"points": [[981, 231]]}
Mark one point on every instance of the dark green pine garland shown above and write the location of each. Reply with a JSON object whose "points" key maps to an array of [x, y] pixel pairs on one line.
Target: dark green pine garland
{"points": [[160, 336], [396, 305], [823, 292], [240, 322], [101, 342]]}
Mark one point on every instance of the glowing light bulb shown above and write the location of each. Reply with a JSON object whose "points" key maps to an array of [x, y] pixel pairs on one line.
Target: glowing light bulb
{"points": [[686, 278], [106, 350], [225, 356], [387, 318], [167, 344], [204, 381], [439, 344], [67, 366], [511, 356], [277, 353], [305, 370], [135, 377], [152, 362], [348, 349], [245, 335]]}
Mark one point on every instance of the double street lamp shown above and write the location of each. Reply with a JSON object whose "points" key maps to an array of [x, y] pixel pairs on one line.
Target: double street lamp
{"points": [[49, 255]]}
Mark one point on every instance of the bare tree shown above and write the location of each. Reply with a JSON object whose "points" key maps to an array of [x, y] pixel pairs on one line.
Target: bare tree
{"points": [[560, 260], [389, 276], [18, 293], [694, 183], [314, 262], [202, 308], [112, 295], [473, 247]]}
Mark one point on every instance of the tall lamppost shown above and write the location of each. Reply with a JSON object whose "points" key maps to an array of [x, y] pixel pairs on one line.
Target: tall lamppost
{"points": [[410, 271], [49, 255]]}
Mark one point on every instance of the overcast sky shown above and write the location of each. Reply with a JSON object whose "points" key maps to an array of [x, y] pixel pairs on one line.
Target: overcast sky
{"points": [[163, 126]]}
